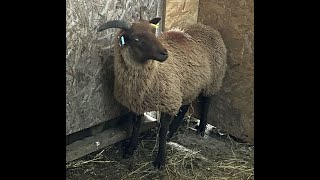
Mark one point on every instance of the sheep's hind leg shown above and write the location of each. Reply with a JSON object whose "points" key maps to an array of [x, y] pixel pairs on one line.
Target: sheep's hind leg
{"points": [[133, 144], [205, 102], [177, 120], [161, 156]]}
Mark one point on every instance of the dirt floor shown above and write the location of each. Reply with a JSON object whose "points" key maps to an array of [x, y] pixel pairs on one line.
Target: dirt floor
{"points": [[214, 156]]}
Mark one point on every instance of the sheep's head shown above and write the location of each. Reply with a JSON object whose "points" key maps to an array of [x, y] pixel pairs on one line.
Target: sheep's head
{"points": [[140, 36]]}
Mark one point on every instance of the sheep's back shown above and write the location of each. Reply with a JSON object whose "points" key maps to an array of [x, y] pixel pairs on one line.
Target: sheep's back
{"points": [[192, 61], [211, 41]]}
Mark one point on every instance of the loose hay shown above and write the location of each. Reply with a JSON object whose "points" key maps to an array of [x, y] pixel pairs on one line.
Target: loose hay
{"points": [[98, 158], [229, 160]]}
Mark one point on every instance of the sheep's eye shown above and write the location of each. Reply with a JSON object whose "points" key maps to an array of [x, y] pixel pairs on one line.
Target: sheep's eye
{"points": [[136, 39]]}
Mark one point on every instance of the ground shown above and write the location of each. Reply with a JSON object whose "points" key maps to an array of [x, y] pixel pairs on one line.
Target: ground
{"points": [[190, 156]]}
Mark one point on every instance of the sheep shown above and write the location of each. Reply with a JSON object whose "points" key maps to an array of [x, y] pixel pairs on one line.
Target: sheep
{"points": [[165, 74]]}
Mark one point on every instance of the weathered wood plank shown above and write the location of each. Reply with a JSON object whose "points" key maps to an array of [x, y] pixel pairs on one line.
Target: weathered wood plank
{"points": [[101, 140]]}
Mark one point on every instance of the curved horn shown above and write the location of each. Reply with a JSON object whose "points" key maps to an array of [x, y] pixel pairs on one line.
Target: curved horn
{"points": [[114, 24]]}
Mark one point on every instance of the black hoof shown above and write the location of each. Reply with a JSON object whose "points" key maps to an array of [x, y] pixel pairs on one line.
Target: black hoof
{"points": [[169, 136], [127, 154], [159, 163], [128, 151], [201, 130]]}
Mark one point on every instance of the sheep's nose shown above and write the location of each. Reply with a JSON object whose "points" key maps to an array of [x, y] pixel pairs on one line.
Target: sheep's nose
{"points": [[163, 55], [164, 52]]}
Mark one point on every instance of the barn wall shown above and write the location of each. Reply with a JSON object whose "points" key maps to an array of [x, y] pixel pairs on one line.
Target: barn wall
{"points": [[232, 108], [89, 64], [180, 13]]}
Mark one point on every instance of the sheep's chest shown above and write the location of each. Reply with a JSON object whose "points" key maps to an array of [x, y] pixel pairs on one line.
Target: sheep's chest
{"points": [[140, 94]]}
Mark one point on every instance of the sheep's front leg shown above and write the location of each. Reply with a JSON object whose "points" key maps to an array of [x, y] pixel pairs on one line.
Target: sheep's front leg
{"points": [[161, 156], [133, 144], [205, 102], [177, 120]]}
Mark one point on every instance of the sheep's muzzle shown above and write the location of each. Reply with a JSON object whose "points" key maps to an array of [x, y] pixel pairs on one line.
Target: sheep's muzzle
{"points": [[162, 56]]}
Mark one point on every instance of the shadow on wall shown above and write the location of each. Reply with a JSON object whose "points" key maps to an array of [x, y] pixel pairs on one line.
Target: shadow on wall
{"points": [[107, 81]]}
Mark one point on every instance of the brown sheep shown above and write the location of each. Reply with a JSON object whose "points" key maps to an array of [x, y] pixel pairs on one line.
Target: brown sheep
{"points": [[165, 74]]}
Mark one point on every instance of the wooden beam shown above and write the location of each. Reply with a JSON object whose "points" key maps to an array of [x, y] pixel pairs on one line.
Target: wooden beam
{"points": [[101, 140]]}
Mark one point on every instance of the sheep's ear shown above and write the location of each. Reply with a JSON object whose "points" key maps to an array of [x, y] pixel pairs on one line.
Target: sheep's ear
{"points": [[155, 20]]}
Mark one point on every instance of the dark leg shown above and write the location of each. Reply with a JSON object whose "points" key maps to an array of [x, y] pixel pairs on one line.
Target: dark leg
{"points": [[177, 120], [161, 157], [133, 144], [205, 101]]}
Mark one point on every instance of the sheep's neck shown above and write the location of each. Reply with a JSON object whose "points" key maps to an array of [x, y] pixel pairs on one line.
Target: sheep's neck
{"points": [[135, 81], [136, 71]]}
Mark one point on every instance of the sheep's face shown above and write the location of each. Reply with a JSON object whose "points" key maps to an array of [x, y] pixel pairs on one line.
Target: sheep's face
{"points": [[143, 42]]}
